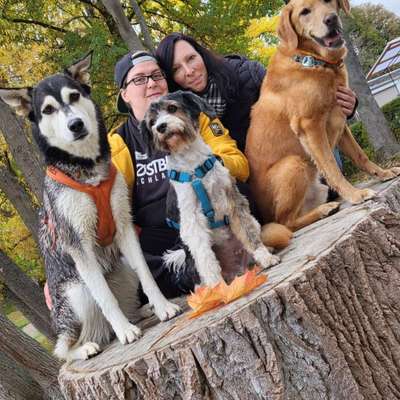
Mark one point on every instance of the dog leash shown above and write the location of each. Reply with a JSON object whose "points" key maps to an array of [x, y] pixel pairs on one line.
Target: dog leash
{"points": [[201, 193]]}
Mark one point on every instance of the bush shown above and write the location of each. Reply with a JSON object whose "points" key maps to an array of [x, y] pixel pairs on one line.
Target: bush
{"points": [[392, 114], [360, 134]]}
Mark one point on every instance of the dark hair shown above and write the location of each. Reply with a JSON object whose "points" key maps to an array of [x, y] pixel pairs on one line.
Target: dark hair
{"points": [[215, 64]]}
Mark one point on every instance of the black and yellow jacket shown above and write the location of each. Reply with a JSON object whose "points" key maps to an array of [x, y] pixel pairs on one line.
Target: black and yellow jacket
{"points": [[217, 138]]}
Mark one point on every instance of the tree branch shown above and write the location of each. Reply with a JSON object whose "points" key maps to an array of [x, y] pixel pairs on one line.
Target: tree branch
{"points": [[38, 23], [143, 26], [28, 292]]}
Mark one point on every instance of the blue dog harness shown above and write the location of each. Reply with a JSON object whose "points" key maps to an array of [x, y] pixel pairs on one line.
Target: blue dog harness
{"points": [[201, 193]]}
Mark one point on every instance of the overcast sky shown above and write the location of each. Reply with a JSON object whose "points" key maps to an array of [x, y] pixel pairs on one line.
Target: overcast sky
{"points": [[392, 5]]}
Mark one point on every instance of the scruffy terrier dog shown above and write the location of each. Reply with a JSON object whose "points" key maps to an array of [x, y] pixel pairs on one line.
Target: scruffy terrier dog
{"points": [[211, 208], [86, 223]]}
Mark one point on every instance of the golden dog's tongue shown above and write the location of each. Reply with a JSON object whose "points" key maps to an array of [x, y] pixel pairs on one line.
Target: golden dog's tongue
{"points": [[331, 40]]}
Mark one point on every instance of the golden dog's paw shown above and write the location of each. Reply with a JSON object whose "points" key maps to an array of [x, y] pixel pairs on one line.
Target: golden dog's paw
{"points": [[389, 173], [360, 195], [329, 208]]}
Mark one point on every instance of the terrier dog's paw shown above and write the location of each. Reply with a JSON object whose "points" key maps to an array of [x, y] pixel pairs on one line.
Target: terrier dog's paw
{"points": [[128, 334], [166, 310], [263, 257], [87, 350], [212, 279], [360, 195], [388, 174]]}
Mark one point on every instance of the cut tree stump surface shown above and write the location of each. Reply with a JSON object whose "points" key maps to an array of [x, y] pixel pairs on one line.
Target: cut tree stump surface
{"points": [[326, 325]]}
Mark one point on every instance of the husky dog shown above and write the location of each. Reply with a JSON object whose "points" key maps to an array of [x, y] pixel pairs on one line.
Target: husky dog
{"points": [[82, 236], [210, 206]]}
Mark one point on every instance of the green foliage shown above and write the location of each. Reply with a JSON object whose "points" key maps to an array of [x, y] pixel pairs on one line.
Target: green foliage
{"points": [[392, 114], [17, 242], [371, 27], [361, 135]]}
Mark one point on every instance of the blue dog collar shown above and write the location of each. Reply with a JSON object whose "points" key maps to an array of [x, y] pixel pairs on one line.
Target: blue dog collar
{"points": [[309, 61]]}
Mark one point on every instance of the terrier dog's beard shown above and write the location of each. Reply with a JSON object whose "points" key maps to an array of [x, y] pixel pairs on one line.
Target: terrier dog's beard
{"points": [[175, 141]]}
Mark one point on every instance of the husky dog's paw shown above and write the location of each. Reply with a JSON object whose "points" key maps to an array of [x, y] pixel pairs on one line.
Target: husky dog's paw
{"points": [[263, 257], [128, 334], [86, 351], [166, 310]]}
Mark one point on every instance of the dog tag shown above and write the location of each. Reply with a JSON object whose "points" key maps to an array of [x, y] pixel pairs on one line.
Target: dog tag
{"points": [[308, 61], [216, 128]]}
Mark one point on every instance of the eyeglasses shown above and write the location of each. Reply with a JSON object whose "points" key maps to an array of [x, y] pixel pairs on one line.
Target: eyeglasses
{"points": [[143, 79]]}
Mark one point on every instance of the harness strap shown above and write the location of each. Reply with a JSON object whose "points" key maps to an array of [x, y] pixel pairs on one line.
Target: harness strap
{"points": [[100, 194], [201, 193]]}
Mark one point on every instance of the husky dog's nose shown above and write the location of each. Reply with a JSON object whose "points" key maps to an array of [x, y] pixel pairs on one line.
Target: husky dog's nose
{"points": [[331, 20], [75, 125], [162, 127]]}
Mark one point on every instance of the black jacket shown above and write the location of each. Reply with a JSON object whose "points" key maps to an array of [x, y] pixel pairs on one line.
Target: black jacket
{"points": [[247, 76]]}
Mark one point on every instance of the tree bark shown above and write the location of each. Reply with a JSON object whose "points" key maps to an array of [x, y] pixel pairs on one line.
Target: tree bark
{"points": [[326, 325], [28, 293], [20, 199], [148, 42], [379, 133], [126, 31], [16, 383], [28, 354], [25, 152]]}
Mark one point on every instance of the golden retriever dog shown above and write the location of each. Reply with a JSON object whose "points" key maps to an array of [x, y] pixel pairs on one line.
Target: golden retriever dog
{"points": [[297, 122]]}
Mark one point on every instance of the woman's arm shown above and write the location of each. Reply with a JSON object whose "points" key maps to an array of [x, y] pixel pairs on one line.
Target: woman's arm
{"points": [[223, 146]]}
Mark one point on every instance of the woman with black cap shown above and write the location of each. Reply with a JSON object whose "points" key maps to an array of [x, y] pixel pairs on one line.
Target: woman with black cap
{"points": [[141, 81]]}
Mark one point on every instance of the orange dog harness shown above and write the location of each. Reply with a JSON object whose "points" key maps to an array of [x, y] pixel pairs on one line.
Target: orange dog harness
{"points": [[101, 196]]}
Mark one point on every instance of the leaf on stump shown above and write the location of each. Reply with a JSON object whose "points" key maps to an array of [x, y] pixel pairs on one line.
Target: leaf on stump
{"points": [[206, 298]]}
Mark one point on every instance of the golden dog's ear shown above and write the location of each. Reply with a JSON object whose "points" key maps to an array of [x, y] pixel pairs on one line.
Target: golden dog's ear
{"points": [[344, 5], [286, 31]]}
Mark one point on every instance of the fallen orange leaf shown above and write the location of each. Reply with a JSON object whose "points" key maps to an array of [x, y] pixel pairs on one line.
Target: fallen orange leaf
{"points": [[242, 285], [206, 298], [203, 299]]}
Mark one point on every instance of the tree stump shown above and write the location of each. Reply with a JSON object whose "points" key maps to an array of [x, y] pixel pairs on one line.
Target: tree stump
{"points": [[326, 325]]}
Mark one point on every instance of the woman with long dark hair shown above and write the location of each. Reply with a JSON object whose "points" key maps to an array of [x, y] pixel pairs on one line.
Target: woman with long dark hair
{"points": [[231, 84]]}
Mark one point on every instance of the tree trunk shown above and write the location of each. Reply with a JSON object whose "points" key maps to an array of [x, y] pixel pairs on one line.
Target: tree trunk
{"points": [[16, 383], [29, 355], [20, 199], [126, 31], [326, 325], [143, 26], [25, 152], [379, 133], [28, 293]]}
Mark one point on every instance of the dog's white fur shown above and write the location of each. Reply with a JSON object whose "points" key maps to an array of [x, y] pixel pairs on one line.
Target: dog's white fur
{"points": [[102, 295]]}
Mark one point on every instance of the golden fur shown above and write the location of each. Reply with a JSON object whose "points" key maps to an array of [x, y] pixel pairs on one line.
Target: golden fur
{"points": [[297, 122]]}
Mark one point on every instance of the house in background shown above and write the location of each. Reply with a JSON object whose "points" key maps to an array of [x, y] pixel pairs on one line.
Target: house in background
{"points": [[384, 77]]}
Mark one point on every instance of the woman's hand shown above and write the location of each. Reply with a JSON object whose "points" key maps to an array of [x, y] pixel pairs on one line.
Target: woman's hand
{"points": [[346, 99]]}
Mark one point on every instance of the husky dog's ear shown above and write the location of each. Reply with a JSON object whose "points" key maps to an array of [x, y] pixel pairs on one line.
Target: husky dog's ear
{"points": [[80, 70], [19, 99], [345, 6], [286, 31], [196, 104]]}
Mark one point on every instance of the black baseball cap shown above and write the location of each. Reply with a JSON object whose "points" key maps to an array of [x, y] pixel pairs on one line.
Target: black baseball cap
{"points": [[122, 68]]}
